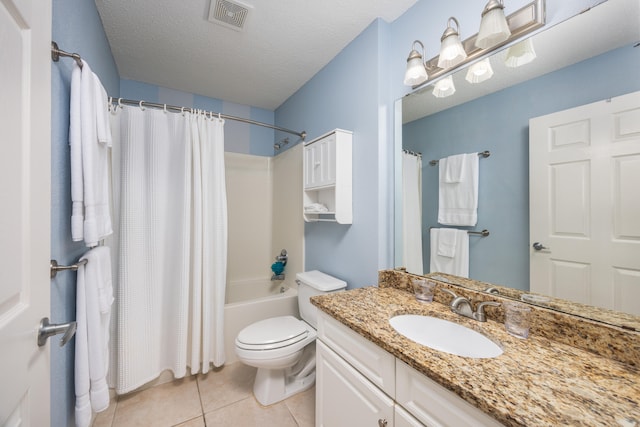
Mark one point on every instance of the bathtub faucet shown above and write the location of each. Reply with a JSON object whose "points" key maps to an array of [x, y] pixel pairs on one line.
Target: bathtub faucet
{"points": [[283, 257], [278, 266]]}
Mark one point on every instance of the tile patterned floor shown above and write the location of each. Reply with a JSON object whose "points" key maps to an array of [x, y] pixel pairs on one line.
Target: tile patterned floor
{"points": [[221, 398]]}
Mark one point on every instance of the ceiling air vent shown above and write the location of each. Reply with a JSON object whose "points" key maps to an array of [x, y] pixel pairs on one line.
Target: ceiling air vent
{"points": [[230, 14]]}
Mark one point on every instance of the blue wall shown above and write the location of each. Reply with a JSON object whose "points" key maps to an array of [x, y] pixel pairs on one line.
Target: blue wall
{"points": [[500, 123], [357, 91], [345, 94], [76, 28], [238, 137]]}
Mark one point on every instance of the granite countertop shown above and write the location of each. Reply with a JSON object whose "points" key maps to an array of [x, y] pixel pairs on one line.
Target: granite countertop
{"points": [[535, 382]]}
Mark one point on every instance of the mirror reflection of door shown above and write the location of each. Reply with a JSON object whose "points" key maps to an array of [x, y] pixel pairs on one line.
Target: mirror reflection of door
{"points": [[586, 228]]}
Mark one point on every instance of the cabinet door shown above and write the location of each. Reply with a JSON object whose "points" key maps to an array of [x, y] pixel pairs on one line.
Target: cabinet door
{"points": [[346, 398], [320, 162], [328, 160], [309, 166], [405, 419]]}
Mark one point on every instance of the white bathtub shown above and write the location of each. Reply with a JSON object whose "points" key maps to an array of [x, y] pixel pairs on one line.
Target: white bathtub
{"points": [[248, 301]]}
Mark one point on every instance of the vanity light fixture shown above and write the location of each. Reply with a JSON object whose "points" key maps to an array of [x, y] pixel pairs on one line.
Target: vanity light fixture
{"points": [[520, 53], [494, 28], [520, 23], [480, 71], [416, 68], [444, 87], [451, 51]]}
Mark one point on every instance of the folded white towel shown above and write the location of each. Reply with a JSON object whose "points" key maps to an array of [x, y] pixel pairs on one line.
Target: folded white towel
{"points": [[316, 208], [459, 263], [454, 168], [458, 201], [447, 239], [93, 311], [75, 147]]}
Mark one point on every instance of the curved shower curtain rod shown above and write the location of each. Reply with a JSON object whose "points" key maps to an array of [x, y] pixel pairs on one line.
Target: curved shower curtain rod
{"points": [[56, 53]]}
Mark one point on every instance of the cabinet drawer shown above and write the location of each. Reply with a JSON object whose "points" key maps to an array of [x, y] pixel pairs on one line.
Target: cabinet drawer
{"points": [[433, 404], [370, 360]]}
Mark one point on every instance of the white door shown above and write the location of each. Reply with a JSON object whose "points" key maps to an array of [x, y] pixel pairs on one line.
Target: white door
{"points": [[25, 122], [584, 179]]}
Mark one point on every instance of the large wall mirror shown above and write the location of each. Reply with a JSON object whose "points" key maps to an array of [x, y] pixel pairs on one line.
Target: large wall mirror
{"points": [[590, 57]]}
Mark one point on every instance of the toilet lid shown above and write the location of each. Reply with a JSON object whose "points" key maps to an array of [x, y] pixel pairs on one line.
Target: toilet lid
{"points": [[273, 332]]}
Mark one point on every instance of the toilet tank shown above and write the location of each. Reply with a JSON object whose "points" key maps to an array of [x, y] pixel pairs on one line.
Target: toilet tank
{"points": [[311, 283]]}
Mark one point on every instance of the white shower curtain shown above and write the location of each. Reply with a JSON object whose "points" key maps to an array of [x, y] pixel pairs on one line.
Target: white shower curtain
{"points": [[171, 240], [412, 213]]}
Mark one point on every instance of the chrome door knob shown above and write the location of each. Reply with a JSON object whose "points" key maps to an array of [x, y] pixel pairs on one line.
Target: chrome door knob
{"points": [[47, 330], [538, 246]]}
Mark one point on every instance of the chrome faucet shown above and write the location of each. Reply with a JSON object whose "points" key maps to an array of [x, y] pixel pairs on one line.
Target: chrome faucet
{"points": [[463, 307]]}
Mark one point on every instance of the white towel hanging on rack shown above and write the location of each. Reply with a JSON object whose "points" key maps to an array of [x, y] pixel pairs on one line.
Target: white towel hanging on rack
{"points": [[458, 200]]}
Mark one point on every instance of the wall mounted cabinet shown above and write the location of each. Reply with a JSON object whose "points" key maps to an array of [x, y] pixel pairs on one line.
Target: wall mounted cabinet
{"points": [[327, 178]]}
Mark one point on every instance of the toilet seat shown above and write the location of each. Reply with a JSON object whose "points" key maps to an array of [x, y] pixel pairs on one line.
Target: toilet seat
{"points": [[273, 333]]}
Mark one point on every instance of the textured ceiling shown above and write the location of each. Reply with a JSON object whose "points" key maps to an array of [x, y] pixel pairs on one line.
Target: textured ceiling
{"points": [[284, 43]]}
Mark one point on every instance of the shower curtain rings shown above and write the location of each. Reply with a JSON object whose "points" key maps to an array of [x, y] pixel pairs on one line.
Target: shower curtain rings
{"points": [[120, 103], [165, 108], [141, 107]]}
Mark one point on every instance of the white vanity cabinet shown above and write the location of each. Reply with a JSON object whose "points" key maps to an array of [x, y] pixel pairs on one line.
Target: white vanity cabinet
{"points": [[360, 384], [327, 177]]}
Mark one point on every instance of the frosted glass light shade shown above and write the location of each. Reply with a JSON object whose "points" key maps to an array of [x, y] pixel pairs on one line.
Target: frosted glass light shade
{"points": [[416, 72], [520, 54], [451, 52], [480, 71], [444, 87], [494, 28], [416, 69]]}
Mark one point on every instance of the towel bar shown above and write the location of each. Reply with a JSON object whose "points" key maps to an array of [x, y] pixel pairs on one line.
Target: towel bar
{"points": [[55, 267], [483, 154], [483, 233]]}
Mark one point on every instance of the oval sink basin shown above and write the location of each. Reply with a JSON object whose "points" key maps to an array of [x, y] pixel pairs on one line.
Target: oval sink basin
{"points": [[446, 336]]}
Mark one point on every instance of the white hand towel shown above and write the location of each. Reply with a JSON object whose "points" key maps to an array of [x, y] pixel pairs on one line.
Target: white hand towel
{"points": [[459, 263], [103, 119], [95, 161], [454, 168], [447, 240], [93, 312], [75, 147], [458, 201]]}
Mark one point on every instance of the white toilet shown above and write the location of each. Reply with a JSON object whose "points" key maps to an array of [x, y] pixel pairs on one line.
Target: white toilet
{"points": [[283, 348]]}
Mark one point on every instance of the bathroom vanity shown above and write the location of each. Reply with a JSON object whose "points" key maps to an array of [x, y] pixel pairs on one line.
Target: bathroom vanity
{"points": [[368, 374]]}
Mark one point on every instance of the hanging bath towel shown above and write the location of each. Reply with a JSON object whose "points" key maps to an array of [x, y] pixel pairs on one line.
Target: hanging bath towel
{"points": [[458, 190], [449, 251], [94, 297]]}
